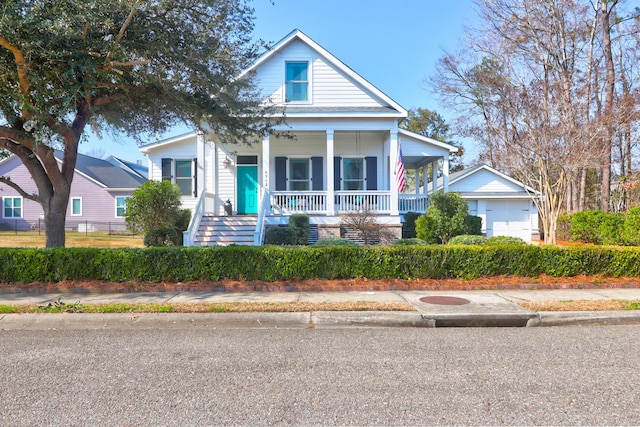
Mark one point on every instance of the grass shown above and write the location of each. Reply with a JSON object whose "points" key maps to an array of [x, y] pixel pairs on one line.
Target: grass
{"points": [[73, 239], [228, 307], [584, 305]]}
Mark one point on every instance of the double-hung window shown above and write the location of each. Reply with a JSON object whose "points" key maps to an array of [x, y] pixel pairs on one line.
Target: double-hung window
{"points": [[353, 173], [296, 81], [121, 206], [180, 172], [299, 174], [12, 207]]}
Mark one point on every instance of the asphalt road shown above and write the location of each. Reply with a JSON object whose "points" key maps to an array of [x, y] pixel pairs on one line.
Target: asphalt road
{"points": [[377, 376]]}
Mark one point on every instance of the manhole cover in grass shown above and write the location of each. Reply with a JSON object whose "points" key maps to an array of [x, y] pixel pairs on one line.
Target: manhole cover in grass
{"points": [[442, 300]]}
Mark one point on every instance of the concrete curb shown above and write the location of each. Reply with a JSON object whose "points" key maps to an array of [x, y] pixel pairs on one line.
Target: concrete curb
{"points": [[567, 318], [302, 320], [370, 319], [83, 321]]}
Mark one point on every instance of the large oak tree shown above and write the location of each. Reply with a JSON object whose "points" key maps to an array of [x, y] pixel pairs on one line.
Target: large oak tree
{"points": [[131, 66]]}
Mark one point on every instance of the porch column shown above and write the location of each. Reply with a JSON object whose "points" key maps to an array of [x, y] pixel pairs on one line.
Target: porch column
{"points": [[265, 174], [200, 172], [434, 176], [393, 155], [445, 174], [425, 179], [330, 175]]}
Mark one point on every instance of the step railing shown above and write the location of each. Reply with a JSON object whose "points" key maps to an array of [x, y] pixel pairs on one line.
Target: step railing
{"points": [[204, 203]]}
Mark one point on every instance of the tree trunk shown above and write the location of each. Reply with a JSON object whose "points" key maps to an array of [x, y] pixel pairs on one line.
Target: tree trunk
{"points": [[55, 214], [582, 199], [608, 108]]}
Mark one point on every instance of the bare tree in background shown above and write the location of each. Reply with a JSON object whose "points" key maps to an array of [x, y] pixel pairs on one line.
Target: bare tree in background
{"points": [[527, 85]]}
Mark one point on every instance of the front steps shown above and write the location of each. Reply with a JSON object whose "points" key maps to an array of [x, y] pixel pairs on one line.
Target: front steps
{"points": [[226, 230]]}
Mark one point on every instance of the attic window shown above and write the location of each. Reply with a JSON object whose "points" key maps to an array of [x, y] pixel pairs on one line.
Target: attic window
{"points": [[297, 81]]}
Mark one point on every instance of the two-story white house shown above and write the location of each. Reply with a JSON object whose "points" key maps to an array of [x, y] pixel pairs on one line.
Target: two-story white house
{"points": [[342, 158]]}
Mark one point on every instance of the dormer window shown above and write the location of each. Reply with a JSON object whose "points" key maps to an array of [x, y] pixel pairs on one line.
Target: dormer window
{"points": [[297, 81]]}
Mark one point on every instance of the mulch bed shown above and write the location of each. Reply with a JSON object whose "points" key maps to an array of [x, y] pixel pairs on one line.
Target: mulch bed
{"points": [[326, 285]]}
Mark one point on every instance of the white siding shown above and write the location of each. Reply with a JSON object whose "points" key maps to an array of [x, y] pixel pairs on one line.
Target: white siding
{"points": [[329, 87], [346, 144], [485, 182], [413, 147]]}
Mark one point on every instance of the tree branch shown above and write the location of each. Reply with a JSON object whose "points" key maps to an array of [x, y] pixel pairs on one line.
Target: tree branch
{"points": [[21, 65], [108, 63], [7, 180]]}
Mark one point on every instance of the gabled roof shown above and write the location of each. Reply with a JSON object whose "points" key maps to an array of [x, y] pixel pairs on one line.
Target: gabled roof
{"points": [[451, 148], [104, 173], [171, 140], [330, 58], [466, 173], [136, 168]]}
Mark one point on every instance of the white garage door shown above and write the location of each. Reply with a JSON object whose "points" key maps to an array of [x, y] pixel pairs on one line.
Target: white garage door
{"points": [[509, 218]]}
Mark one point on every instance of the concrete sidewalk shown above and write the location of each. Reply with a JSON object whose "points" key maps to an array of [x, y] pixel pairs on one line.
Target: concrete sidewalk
{"points": [[433, 309]]}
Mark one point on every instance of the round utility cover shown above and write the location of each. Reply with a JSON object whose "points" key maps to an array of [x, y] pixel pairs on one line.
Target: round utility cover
{"points": [[443, 300]]}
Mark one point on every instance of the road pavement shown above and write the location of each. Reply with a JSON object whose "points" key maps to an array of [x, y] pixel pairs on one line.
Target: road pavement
{"points": [[312, 376]]}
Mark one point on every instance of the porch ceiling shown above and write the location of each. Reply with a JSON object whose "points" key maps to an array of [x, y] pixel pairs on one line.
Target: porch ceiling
{"points": [[414, 162]]}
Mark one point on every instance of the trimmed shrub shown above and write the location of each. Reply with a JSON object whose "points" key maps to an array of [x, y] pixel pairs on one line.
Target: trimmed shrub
{"points": [[447, 216], [335, 241], [468, 239], [585, 226], [611, 229], [409, 242], [473, 225], [631, 228], [274, 263], [505, 240], [300, 223], [409, 229], [281, 236], [165, 236]]}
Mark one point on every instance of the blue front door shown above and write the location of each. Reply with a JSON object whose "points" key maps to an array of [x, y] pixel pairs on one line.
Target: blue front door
{"points": [[247, 189]]}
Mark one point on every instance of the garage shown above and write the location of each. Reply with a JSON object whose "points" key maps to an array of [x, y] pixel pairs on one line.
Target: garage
{"points": [[508, 218]]}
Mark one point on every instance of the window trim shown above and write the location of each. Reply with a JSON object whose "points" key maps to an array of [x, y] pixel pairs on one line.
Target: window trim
{"points": [[309, 81], [71, 206], [309, 179], [13, 207], [173, 177], [343, 181], [183, 178], [125, 206]]}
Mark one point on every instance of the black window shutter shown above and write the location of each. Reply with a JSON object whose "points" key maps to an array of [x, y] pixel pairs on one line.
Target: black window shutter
{"points": [[167, 169], [281, 173], [195, 177], [336, 173], [316, 174], [372, 173]]}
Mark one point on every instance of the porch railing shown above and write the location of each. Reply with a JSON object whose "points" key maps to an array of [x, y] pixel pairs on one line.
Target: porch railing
{"points": [[315, 202], [412, 203], [291, 202], [354, 201]]}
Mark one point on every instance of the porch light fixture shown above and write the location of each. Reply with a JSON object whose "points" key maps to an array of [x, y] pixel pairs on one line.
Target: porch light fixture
{"points": [[226, 162]]}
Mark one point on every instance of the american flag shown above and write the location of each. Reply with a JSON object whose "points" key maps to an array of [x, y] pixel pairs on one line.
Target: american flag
{"points": [[400, 172]]}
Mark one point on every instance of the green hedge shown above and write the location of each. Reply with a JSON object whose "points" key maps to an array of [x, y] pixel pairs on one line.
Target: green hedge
{"points": [[278, 263]]}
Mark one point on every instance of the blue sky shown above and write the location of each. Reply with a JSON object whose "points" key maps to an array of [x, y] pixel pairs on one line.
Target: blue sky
{"points": [[394, 44]]}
